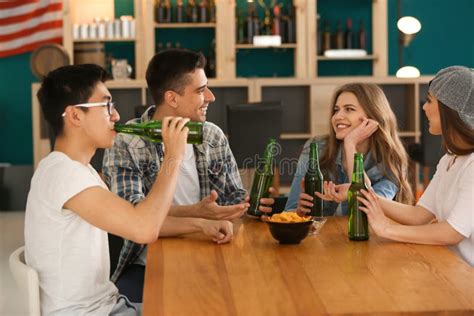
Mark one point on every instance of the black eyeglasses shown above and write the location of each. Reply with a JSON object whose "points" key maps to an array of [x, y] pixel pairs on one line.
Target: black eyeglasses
{"points": [[109, 104]]}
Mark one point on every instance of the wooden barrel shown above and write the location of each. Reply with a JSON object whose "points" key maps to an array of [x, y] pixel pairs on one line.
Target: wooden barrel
{"points": [[89, 53]]}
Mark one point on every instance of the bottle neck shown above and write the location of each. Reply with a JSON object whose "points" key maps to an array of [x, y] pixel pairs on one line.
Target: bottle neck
{"points": [[268, 158], [313, 162], [358, 173], [129, 129]]}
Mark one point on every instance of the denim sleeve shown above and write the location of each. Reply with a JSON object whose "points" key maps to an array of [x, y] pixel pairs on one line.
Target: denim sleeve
{"points": [[385, 188], [301, 169], [381, 183]]}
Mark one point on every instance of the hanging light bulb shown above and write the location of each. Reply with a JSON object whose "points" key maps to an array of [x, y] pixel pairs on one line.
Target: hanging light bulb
{"points": [[409, 25], [408, 72]]}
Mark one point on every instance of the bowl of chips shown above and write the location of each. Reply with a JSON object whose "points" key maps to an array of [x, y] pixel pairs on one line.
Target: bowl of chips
{"points": [[289, 227]]}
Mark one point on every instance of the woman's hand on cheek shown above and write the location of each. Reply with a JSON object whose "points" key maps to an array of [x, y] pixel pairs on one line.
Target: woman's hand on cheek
{"points": [[362, 132]]}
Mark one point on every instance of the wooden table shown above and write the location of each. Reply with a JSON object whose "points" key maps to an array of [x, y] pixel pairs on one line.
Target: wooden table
{"points": [[325, 274]]}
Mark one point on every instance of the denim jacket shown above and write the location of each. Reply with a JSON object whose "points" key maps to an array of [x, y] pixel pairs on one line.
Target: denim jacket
{"points": [[380, 183]]}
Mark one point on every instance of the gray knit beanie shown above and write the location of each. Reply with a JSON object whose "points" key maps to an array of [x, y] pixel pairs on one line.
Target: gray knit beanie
{"points": [[453, 87]]}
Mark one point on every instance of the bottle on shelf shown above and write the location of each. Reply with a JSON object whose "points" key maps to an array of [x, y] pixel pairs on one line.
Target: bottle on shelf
{"points": [[339, 36], [192, 11], [108, 63], [250, 23], [313, 181], [263, 179], [358, 223], [151, 131], [240, 27], [326, 37], [159, 47], [276, 27], [212, 11], [256, 28], [362, 36], [180, 13], [203, 10], [283, 30], [348, 35], [167, 6], [159, 11], [211, 61], [267, 23], [291, 26]]}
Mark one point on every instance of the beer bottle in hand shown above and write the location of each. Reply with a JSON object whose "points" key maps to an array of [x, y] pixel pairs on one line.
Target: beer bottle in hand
{"points": [[358, 224], [313, 180], [263, 179], [151, 131]]}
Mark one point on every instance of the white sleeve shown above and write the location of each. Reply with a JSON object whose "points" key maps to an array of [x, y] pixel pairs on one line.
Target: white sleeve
{"points": [[428, 198], [462, 214], [65, 180]]}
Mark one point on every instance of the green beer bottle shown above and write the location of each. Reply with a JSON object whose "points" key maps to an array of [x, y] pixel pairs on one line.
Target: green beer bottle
{"points": [[313, 181], [358, 224], [151, 131], [263, 179]]}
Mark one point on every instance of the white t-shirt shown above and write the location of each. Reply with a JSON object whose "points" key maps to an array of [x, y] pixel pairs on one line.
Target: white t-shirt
{"points": [[187, 189], [70, 255], [450, 197]]}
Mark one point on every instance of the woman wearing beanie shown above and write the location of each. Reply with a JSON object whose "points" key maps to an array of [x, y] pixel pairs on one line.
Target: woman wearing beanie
{"points": [[449, 198]]}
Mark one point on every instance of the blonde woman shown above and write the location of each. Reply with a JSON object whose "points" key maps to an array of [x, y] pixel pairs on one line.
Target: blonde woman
{"points": [[449, 198], [361, 121]]}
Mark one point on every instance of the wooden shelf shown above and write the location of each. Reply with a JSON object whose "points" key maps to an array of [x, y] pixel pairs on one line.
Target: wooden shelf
{"points": [[125, 39], [251, 46], [295, 136], [126, 84], [184, 25], [368, 57]]}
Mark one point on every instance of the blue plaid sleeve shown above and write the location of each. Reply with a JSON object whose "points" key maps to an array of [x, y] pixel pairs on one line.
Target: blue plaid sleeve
{"points": [[123, 177], [224, 176], [234, 192]]}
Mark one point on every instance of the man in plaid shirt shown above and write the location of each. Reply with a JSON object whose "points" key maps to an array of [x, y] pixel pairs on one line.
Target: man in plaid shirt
{"points": [[209, 185]]}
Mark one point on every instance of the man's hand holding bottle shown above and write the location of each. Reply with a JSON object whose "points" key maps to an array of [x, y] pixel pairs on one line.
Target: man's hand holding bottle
{"points": [[175, 135]]}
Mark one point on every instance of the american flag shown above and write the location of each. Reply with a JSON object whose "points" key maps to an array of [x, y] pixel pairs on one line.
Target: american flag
{"points": [[28, 24]]}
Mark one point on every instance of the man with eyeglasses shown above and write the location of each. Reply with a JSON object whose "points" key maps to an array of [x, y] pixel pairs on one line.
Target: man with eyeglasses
{"points": [[109, 105], [209, 184], [70, 209]]}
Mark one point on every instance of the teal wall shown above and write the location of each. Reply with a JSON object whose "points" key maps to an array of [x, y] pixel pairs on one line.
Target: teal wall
{"points": [[15, 110], [445, 39]]}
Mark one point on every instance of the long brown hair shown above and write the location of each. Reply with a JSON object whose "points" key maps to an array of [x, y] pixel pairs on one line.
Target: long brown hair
{"points": [[458, 138], [385, 145]]}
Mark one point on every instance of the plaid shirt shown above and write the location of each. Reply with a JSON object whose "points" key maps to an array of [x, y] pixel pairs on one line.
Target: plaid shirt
{"points": [[131, 165]]}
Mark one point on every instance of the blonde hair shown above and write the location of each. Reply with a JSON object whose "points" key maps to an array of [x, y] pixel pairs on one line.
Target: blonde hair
{"points": [[385, 146]]}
